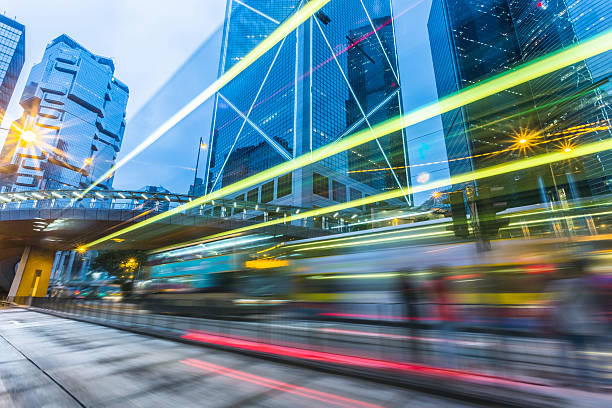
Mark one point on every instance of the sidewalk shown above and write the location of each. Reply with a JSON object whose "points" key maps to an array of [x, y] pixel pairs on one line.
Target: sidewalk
{"points": [[295, 343]]}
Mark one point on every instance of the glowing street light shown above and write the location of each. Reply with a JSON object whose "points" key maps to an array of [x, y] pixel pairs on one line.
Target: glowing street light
{"points": [[203, 146], [28, 136], [88, 160]]}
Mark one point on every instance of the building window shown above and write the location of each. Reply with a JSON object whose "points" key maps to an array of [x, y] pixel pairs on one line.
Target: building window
{"points": [[267, 192], [355, 194], [284, 186], [338, 191], [320, 185], [253, 195]]}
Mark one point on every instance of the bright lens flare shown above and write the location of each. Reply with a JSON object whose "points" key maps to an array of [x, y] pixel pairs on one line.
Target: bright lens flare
{"points": [[594, 46], [524, 140], [567, 146], [28, 136]]}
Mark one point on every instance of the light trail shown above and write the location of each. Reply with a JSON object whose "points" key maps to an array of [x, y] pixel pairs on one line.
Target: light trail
{"points": [[347, 360], [274, 38], [320, 396], [463, 178], [573, 133], [528, 71], [322, 64]]}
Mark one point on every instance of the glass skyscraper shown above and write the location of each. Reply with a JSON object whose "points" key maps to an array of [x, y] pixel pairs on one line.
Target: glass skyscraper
{"points": [[12, 57], [76, 108], [334, 75], [571, 96], [472, 40]]}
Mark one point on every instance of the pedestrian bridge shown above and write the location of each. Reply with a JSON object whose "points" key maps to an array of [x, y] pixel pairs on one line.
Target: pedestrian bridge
{"points": [[36, 224], [64, 219]]}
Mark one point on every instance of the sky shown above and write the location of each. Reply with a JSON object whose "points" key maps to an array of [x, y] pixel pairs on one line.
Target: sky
{"points": [[153, 42], [147, 39]]}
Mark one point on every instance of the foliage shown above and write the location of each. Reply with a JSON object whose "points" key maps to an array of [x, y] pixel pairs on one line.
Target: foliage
{"points": [[122, 265]]}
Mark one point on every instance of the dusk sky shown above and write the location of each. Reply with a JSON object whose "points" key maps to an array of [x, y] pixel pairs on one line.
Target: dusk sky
{"points": [[150, 40]]}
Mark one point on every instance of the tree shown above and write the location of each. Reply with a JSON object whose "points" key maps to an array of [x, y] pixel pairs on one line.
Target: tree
{"points": [[122, 265]]}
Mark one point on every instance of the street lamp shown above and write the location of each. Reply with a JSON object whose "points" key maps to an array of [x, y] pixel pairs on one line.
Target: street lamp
{"points": [[195, 176]]}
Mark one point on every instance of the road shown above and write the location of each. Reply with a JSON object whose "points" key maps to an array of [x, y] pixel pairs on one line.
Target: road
{"points": [[46, 361]]}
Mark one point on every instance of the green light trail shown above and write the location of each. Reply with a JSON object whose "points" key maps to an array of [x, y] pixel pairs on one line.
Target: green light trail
{"points": [[277, 35], [542, 66], [462, 178]]}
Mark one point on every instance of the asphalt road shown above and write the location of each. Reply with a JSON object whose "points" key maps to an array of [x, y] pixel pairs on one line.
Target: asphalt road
{"points": [[46, 361]]}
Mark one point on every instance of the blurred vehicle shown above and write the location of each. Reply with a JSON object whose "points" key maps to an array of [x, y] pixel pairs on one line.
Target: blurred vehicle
{"points": [[219, 285]]}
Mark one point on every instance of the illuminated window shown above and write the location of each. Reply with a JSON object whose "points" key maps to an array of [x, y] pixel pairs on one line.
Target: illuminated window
{"points": [[267, 192], [253, 195], [284, 186], [320, 185], [338, 191]]}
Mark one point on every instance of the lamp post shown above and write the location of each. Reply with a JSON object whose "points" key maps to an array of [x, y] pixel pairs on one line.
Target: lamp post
{"points": [[201, 147]]}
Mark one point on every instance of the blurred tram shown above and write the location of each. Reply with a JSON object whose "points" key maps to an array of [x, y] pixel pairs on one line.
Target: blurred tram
{"points": [[316, 278]]}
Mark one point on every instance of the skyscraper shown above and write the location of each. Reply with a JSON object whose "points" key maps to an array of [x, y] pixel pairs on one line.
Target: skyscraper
{"points": [[12, 57], [334, 75], [470, 41], [474, 40], [74, 120], [571, 96]]}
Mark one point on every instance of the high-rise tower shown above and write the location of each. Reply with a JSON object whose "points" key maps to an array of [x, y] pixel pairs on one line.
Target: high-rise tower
{"points": [[334, 75], [474, 40], [12, 57], [73, 121]]}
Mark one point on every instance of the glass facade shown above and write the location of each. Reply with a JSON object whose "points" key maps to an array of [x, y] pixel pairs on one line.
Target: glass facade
{"points": [[473, 40], [334, 75], [76, 108], [12, 57], [544, 27]]}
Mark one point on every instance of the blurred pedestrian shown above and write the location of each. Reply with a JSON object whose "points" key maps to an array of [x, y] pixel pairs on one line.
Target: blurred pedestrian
{"points": [[578, 320], [442, 299], [409, 291]]}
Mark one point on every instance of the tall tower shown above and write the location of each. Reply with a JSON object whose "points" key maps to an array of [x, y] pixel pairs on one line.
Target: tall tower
{"points": [[74, 119], [12, 57], [470, 41], [575, 95], [306, 92], [474, 40]]}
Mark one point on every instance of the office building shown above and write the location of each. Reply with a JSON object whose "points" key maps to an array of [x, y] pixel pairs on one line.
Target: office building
{"points": [[571, 96], [473, 40], [470, 41], [12, 57], [334, 75], [73, 121]]}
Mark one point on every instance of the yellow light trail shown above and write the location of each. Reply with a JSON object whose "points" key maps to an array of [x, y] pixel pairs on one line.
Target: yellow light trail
{"points": [[378, 240], [462, 178], [274, 38], [573, 133], [528, 71]]}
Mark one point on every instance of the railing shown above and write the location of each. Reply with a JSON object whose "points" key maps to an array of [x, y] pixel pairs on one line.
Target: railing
{"points": [[410, 347]]}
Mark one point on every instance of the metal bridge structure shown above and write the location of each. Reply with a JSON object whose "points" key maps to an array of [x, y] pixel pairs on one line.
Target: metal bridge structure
{"points": [[34, 225]]}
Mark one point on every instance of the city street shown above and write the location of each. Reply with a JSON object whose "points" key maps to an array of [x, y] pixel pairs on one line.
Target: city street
{"points": [[47, 361]]}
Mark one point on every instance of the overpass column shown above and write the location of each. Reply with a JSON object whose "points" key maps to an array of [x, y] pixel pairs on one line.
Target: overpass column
{"points": [[33, 274]]}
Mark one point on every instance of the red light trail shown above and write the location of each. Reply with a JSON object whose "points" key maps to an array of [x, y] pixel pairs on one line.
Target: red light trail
{"points": [[340, 359], [279, 385]]}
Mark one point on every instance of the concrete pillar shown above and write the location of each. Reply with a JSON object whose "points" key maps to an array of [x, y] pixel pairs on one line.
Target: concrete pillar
{"points": [[33, 275]]}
